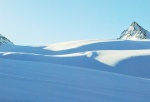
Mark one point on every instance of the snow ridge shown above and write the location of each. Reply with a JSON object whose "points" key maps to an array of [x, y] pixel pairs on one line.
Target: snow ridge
{"points": [[135, 31], [4, 40]]}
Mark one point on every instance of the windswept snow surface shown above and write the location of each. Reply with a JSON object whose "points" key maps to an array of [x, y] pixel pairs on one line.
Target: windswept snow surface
{"points": [[129, 57], [77, 71], [27, 81]]}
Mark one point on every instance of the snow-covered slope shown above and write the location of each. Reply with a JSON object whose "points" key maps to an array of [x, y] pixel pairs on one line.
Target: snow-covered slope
{"points": [[119, 56], [27, 81], [135, 31], [77, 71], [4, 40]]}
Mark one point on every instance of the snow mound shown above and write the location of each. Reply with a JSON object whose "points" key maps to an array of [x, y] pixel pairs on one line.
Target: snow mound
{"points": [[78, 71], [119, 56]]}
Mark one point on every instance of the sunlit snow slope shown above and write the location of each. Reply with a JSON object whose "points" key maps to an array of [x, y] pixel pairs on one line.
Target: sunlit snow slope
{"points": [[119, 56], [77, 71]]}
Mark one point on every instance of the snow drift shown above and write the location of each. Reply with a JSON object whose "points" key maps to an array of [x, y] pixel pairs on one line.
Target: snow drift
{"points": [[27, 81], [77, 71]]}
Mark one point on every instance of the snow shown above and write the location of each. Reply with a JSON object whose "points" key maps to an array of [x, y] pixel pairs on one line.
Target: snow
{"points": [[112, 58], [106, 55], [77, 71], [69, 45], [27, 81]]}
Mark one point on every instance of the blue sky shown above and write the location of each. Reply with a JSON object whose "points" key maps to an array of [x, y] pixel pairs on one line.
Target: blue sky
{"points": [[41, 22]]}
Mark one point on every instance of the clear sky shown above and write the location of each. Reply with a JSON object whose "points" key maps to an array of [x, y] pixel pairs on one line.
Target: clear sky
{"points": [[41, 22]]}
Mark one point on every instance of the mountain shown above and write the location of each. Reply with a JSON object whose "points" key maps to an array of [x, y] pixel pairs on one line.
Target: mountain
{"points": [[135, 31], [4, 40]]}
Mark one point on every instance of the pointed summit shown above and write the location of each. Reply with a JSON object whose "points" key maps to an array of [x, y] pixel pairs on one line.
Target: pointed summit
{"points": [[4, 40], [135, 26], [135, 31], [134, 23]]}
